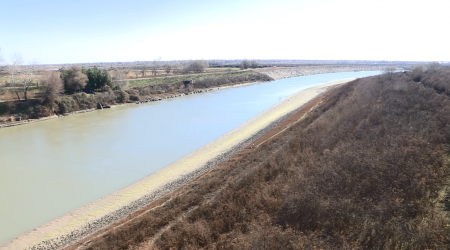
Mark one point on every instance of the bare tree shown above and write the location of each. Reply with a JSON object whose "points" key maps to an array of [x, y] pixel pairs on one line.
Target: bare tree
{"points": [[155, 66], [120, 79], [52, 86], [13, 69], [167, 67], [144, 68], [388, 72], [126, 70], [245, 64], [177, 68], [254, 64], [198, 66], [29, 72]]}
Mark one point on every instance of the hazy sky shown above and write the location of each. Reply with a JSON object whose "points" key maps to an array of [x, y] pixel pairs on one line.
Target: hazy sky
{"points": [[71, 31]]}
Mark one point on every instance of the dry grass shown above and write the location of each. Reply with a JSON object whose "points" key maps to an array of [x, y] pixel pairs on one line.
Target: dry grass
{"points": [[8, 96], [367, 169]]}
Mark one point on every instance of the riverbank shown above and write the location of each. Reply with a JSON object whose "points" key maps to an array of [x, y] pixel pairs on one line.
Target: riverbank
{"points": [[339, 178], [167, 91], [152, 98], [286, 72], [88, 219]]}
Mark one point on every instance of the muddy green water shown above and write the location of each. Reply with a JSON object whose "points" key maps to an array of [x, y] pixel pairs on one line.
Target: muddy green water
{"points": [[50, 168]]}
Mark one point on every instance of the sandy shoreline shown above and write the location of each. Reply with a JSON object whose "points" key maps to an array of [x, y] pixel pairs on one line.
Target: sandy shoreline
{"points": [[92, 217]]}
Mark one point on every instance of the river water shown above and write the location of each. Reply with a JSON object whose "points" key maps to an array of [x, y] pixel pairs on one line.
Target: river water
{"points": [[52, 167]]}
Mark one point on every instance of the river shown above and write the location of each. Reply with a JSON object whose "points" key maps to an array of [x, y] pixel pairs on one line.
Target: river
{"points": [[50, 168]]}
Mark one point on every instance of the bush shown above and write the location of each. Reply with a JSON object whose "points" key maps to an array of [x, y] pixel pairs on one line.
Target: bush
{"points": [[122, 96], [417, 72], [67, 104], [107, 97], [98, 78], [133, 95], [42, 111], [51, 88], [73, 78], [134, 98], [245, 64], [196, 66], [84, 101]]}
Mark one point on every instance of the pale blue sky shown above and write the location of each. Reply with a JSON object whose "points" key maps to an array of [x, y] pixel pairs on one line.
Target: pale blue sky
{"points": [[67, 31]]}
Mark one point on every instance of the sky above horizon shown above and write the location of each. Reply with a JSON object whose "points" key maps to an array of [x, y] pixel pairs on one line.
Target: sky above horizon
{"points": [[82, 31]]}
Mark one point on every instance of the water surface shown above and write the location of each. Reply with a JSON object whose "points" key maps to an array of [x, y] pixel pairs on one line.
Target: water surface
{"points": [[50, 168]]}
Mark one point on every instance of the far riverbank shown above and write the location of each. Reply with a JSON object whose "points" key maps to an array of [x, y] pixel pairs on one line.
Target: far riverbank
{"points": [[272, 73]]}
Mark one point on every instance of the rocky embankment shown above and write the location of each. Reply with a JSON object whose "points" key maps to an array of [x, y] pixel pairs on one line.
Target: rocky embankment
{"points": [[287, 72]]}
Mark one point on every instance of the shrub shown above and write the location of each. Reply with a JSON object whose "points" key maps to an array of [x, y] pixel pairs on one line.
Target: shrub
{"points": [[51, 87], [84, 101], [196, 66], [98, 78], [133, 95], [73, 78], [122, 96], [245, 64], [42, 111], [67, 104]]}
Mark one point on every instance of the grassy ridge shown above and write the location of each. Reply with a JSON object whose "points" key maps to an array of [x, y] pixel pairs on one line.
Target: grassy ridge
{"points": [[177, 79], [367, 169]]}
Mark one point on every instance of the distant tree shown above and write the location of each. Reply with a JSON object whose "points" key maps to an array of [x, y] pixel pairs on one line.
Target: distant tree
{"points": [[29, 72], [197, 66], [51, 87], [388, 72], [126, 70], [120, 80], [167, 68], [155, 66], [177, 68], [245, 64], [73, 78], [13, 69], [254, 64], [144, 68]]}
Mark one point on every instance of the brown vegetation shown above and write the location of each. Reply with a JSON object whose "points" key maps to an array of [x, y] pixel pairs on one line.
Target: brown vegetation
{"points": [[203, 83], [368, 168], [74, 79], [51, 101]]}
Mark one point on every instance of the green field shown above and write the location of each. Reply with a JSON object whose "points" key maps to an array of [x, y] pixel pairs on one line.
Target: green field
{"points": [[175, 79]]}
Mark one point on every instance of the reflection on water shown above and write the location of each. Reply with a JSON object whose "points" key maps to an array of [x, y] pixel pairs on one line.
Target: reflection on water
{"points": [[50, 168]]}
